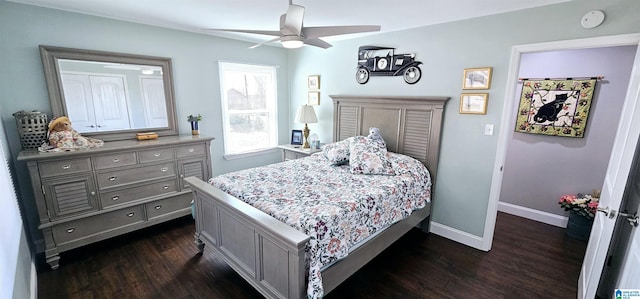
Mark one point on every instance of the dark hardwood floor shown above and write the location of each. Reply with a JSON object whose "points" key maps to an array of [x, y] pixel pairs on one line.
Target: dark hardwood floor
{"points": [[528, 260]]}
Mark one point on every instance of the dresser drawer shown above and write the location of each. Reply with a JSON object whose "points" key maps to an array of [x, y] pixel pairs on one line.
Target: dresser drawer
{"points": [[191, 150], [162, 207], [63, 167], [133, 175], [122, 196], [115, 160], [86, 227], [153, 155]]}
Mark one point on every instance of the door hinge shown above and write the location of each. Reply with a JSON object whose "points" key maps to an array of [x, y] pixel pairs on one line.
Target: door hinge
{"points": [[48, 214], [42, 188]]}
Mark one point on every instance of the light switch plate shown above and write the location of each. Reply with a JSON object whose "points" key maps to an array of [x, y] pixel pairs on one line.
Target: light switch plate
{"points": [[488, 129]]}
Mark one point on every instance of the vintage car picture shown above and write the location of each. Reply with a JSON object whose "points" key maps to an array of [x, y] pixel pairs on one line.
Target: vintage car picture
{"points": [[382, 61]]}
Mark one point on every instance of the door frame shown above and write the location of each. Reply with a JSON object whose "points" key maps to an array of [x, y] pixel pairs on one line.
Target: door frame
{"points": [[509, 109]]}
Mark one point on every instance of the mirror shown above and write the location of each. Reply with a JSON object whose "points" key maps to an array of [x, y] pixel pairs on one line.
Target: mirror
{"points": [[110, 96]]}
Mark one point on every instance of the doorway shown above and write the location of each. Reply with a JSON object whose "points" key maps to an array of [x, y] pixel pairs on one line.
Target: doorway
{"points": [[619, 172], [538, 169]]}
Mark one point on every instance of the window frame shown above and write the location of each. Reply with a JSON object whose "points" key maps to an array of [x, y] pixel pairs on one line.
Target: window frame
{"points": [[272, 107]]}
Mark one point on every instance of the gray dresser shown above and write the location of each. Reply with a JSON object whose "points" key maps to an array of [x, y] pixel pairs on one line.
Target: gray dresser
{"points": [[90, 195]]}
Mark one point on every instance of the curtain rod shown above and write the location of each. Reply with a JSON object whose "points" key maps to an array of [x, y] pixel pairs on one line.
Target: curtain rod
{"points": [[568, 78]]}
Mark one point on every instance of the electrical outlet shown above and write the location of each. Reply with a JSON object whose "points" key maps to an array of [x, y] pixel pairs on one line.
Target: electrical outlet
{"points": [[488, 129]]}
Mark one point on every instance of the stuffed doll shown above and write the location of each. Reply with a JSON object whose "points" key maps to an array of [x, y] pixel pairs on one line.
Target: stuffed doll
{"points": [[63, 137], [374, 134]]}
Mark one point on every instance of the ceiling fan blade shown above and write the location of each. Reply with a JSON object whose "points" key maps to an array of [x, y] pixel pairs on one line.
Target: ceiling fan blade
{"points": [[292, 20], [318, 43], [263, 32], [314, 32], [265, 42]]}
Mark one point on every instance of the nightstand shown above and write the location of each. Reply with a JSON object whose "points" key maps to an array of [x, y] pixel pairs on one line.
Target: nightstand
{"points": [[290, 152]]}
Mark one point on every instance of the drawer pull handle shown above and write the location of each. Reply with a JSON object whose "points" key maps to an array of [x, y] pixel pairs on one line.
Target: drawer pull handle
{"points": [[66, 166], [113, 178], [115, 160], [164, 169], [165, 187], [156, 155], [70, 230], [191, 150], [131, 214], [115, 198], [158, 207]]}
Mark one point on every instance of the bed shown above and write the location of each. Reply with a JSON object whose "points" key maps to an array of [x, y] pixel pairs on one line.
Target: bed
{"points": [[269, 254]]}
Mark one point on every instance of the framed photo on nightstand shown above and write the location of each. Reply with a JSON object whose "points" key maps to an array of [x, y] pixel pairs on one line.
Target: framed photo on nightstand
{"points": [[296, 137]]}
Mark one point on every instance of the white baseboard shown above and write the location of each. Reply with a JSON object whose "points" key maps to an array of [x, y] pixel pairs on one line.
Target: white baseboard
{"points": [[540, 216], [456, 235], [34, 281]]}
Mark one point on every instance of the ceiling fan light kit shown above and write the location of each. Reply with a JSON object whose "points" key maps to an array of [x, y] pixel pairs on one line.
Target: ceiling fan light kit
{"points": [[293, 34], [291, 42]]}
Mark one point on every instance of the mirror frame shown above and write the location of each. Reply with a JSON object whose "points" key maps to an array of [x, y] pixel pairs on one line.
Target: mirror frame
{"points": [[50, 56]]}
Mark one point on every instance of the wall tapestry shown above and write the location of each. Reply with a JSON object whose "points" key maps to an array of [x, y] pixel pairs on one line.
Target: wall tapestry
{"points": [[558, 107]]}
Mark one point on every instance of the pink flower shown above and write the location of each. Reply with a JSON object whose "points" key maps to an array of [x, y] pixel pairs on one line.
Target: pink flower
{"points": [[593, 205], [569, 198], [334, 245]]}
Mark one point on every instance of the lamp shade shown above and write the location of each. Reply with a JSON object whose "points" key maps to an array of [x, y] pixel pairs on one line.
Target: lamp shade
{"points": [[306, 115]]}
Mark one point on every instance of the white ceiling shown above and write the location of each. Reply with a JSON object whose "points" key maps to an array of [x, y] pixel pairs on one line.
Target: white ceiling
{"points": [[194, 15]]}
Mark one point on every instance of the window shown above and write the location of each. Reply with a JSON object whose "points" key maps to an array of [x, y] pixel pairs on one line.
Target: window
{"points": [[248, 107]]}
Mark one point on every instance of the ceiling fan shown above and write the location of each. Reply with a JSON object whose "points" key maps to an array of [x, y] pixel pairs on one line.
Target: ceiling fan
{"points": [[293, 35]]}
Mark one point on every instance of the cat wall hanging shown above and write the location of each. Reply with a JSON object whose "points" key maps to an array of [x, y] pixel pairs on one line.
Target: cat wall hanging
{"points": [[558, 107], [383, 61]]}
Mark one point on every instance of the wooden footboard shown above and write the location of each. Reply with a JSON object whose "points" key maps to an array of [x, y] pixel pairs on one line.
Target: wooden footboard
{"points": [[264, 251]]}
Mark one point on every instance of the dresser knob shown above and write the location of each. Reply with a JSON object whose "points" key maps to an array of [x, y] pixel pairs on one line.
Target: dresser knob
{"points": [[115, 160], [165, 187], [66, 166], [92, 192], [70, 230], [115, 198], [131, 214], [113, 178], [158, 207], [156, 155], [191, 150], [164, 169]]}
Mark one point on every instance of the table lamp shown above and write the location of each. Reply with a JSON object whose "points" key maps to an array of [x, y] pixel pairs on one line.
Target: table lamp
{"points": [[306, 115]]}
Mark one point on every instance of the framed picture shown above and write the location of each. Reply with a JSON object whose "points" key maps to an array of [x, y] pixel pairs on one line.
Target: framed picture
{"points": [[313, 82], [313, 98], [296, 137], [473, 103], [477, 78]]}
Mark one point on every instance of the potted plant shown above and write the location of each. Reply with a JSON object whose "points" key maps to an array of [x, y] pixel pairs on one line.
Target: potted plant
{"points": [[194, 123], [582, 209]]}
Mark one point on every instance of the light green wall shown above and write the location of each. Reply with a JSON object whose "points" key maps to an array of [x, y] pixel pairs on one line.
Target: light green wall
{"points": [[466, 155], [194, 60]]}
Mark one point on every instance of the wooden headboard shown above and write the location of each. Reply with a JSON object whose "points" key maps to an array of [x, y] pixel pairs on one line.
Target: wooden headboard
{"points": [[409, 125]]}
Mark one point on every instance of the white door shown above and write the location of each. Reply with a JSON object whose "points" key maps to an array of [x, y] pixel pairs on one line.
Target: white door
{"points": [[155, 110], [613, 189], [80, 110], [110, 99]]}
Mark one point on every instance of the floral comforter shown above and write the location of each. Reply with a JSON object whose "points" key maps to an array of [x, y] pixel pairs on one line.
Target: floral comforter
{"points": [[335, 208]]}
